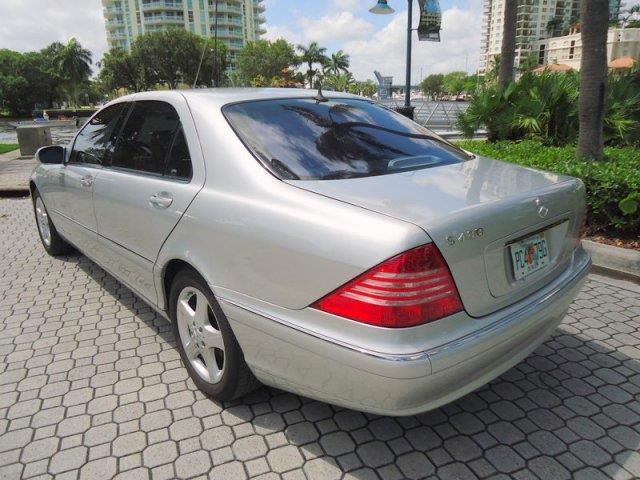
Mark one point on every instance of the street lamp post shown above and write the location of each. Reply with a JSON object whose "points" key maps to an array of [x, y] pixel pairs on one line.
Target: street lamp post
{"points": [[428, 30], [382, 8], [215, 47]]}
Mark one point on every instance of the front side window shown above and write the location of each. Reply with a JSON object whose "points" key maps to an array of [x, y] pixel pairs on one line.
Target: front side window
{"points": [[98, 136], [303, 139], [146, 137]]}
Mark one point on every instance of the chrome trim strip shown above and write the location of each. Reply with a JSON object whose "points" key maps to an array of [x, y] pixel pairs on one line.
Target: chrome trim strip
{"points": [[394, 357], [513, 317], [424, 355]]}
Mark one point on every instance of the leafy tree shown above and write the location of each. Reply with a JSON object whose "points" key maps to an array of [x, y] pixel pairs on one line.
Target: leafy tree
{"points": [[554, 26], [594, 15], [25, 82], [470, 84], [269, 59], [339, 82], [121, 70], [172, 57], [74, 63], [630, 17], [433, 85], [311, 55], [337, 63], [454, 82]]}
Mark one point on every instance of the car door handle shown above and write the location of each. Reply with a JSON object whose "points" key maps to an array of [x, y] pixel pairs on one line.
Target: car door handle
{"points": [[161, 200], [86, 181]]}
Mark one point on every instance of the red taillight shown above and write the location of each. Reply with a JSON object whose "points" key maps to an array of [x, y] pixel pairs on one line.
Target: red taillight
{"points": [[412, 288]]}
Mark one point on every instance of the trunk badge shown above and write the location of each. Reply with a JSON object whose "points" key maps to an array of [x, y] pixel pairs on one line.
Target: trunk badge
{"points": [[542, 210], [464, 236]]}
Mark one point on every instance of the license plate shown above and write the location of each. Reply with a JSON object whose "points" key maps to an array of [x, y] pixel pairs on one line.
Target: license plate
{"points": [[529, 255]]}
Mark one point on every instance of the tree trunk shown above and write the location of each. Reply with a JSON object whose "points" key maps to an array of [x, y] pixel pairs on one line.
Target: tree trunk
{"points": [[508, 51], [594, 20]]}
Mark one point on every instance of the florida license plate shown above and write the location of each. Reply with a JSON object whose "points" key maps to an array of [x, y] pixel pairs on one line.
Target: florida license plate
{"points": [[529, 255]]}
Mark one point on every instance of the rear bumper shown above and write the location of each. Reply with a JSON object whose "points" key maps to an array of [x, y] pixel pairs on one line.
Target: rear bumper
{"points": [[401, 384]]}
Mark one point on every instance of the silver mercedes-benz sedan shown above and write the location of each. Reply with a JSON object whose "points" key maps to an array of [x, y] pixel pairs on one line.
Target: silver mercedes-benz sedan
{"points": [[322, 244]]}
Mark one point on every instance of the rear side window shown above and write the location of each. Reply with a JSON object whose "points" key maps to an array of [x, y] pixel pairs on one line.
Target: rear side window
{"points": [[179, 161], [146, 137], [302, 139], [98, 136]]}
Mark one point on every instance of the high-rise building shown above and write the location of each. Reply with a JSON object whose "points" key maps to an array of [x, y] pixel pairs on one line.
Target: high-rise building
{"points": [[238, 21], [536, 20]]}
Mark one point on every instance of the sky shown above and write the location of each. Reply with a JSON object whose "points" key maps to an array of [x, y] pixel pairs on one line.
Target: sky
{"points": [[374, 42]]}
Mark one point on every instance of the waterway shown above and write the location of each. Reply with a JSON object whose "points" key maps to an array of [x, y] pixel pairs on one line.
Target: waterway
{"points": [[59, 135]]}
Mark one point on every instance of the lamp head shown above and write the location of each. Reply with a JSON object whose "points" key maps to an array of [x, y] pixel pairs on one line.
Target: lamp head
{"points": [[382, 8]]}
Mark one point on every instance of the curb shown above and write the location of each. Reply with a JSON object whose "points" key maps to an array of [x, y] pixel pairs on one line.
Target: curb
{"points": [[614, 261]]}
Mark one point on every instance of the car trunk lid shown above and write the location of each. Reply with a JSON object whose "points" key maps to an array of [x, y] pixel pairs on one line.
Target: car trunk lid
{"points": [[474, 211]]}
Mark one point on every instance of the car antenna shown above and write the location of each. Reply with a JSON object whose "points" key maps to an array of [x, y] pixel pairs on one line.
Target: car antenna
{"points": [[319, 96]]}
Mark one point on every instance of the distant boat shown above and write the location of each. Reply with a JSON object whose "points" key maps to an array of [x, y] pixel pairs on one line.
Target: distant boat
{"points": [[70, 122]]}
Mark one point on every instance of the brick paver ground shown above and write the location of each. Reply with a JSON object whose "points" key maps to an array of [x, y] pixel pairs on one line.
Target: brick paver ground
{"points": [[91, 387]]}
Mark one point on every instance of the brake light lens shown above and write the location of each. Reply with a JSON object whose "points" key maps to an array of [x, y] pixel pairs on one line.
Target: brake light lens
{"points": [[413, 288]]}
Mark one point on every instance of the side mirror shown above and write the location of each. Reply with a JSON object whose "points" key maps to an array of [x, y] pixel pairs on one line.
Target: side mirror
{"points": [[53, 154]]}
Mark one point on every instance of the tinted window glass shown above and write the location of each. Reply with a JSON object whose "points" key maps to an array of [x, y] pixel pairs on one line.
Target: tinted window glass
{"points": [[179, 161], [341, 138], [97, 136], [146, 137]]}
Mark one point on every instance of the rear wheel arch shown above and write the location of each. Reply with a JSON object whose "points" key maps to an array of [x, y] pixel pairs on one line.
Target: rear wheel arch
{"points": [[169, 272]]}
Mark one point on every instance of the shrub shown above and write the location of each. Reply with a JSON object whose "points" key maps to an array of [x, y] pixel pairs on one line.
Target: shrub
{"points": [[545, 107], [612, 185]]}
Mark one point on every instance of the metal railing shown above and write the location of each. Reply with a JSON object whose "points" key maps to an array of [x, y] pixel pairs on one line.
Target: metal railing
{"points": [[435, 115]]}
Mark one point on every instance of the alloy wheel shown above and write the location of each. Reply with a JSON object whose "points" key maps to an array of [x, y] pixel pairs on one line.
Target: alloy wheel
{"points": [[42, 218], [200, 335]]}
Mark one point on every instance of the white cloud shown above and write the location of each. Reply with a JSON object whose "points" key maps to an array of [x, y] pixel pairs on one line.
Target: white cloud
{"points": [[274, 32], [345, 5], [34, 24], [337, 27], [385, 50]]}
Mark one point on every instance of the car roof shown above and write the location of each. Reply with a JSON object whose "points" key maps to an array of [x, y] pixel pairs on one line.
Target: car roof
{"points": [[223, 96]]}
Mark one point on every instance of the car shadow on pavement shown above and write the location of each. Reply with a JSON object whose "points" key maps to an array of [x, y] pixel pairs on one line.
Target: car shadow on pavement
{"points": [[569, 410]]}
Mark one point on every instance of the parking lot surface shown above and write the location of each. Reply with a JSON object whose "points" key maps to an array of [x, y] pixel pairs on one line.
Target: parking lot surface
{"points": [[91, 387]]}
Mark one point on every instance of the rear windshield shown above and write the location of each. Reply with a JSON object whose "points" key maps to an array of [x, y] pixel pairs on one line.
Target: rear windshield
{"points": [[303, 139]]}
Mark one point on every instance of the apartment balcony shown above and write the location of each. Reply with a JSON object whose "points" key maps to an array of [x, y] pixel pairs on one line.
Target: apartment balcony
{"points": [[261, 31], [228, 33], [225, 8], [234, 45], [118, 36], [115, 23], [261, 19], [259, 8], [113, 11], [231, 21], [163, 19], [162, 5]]}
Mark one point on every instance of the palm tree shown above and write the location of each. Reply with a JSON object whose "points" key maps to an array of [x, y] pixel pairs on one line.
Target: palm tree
{"points": [[554, 26], [594, 16], [74, 63], [311, 55], [508, 51], [337, 63]]}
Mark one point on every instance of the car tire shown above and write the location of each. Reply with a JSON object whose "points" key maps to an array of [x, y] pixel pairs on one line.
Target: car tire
{"points": [[51, 240], [207, 345]]}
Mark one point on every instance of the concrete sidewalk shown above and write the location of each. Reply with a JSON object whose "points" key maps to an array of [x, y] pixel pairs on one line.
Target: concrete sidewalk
{"points": [[15, 171]]}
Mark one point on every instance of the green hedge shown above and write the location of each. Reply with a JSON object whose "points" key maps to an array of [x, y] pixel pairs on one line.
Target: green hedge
{"points": [[7, 147], [608, 183]]}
